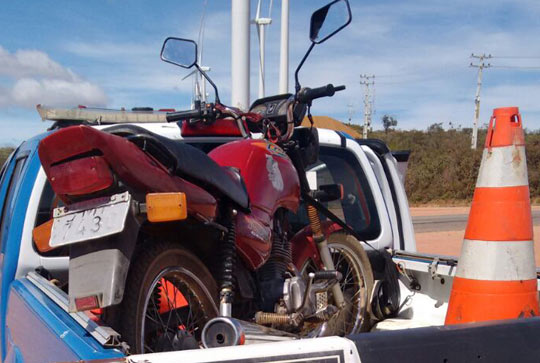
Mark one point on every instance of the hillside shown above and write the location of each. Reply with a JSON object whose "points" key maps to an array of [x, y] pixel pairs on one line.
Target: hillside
{"points": [[443, 168], [4, 153]]}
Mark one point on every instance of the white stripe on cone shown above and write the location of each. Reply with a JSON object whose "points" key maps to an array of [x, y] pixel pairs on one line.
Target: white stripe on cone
{"points": [[499, 261], [503, 167]]}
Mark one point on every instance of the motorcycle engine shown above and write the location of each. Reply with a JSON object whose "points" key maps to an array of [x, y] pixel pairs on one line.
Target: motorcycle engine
{"points": [[294, 289]]}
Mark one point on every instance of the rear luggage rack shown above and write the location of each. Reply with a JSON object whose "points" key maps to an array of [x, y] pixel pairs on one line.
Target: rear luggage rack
{"points": [[105, 335]]}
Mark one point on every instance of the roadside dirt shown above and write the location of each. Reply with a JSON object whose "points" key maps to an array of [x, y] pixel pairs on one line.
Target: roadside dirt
{"points": [[449, 242]]}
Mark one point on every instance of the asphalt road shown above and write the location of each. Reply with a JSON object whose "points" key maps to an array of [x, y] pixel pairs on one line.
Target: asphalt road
{"points": [[452, 222]]}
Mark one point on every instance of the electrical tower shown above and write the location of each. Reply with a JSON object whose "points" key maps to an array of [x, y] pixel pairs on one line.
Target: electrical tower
{"points": [[367, 80], [481, 65]]}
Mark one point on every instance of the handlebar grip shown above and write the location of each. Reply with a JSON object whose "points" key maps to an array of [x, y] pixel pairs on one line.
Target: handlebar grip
{"points": [[183, 115], [307, 95]]}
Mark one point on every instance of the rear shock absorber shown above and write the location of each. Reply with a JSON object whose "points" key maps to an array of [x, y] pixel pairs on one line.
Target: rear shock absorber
{"points": [[324, 251], [226, 293]]}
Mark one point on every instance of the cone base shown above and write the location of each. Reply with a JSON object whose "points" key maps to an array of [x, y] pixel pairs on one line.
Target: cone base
{"points": [[482, 300]]}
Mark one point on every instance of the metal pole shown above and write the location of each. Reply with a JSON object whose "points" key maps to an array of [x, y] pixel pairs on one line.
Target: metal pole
{"points": [[198, 76], [203, 87], [481, 65], [261, 60], [366, 112], [367, 103], [474, 141], [284, 50], [240, 53], [261, 23]]}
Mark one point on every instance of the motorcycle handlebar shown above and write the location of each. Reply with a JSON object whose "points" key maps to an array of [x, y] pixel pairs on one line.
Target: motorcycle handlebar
{"points": [[306, 95], [183, 115]]}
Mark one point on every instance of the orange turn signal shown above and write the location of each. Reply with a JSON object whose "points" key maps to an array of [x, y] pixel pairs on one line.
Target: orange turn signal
{"points": [[42, 236], [166, 207]]}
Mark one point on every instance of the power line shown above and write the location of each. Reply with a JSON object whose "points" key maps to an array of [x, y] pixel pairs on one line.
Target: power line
{"points": [[480, 65], [518, 67], [515, 57]]}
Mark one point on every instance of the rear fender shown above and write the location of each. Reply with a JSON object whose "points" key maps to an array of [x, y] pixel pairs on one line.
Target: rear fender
{"points": [[98, 268]]}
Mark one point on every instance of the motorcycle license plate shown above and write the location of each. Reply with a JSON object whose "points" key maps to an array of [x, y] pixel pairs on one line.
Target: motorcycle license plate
{"points": [[89, 220]]}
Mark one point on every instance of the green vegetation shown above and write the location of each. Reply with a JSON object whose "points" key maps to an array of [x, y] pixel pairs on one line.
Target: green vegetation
{"points": [[4, 153], [388, 122], [443, 168]]}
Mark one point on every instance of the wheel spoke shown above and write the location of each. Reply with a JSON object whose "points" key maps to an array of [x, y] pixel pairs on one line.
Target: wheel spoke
{"points": [[349, 274], [349, 263], [187, 315], [168, 302], [190, 310], [157, 311]]}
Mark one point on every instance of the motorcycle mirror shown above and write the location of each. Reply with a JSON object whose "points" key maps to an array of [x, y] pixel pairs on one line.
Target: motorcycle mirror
{"points": [[329, 20], [325, 22], [183, 53], [180, 52]]}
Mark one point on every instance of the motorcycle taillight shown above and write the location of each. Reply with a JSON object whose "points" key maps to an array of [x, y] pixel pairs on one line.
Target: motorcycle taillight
{"points": [[81, 176], [87, 303]]}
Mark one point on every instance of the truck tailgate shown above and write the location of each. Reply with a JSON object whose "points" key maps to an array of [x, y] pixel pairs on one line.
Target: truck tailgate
{"points": [[39, 330]]}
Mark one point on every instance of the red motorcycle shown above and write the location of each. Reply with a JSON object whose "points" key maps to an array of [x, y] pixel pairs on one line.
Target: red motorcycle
{"points": [[154, 226]]}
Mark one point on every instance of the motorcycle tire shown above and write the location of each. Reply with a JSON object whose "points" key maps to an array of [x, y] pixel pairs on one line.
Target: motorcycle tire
{"points": [[352, 261], [169, 297]]}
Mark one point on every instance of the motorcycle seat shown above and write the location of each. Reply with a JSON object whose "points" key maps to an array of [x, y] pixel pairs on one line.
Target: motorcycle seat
{"points": [[188, 162]]}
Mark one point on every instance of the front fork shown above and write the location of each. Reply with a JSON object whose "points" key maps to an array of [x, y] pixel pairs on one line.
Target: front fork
{"points": [[324, 252]]}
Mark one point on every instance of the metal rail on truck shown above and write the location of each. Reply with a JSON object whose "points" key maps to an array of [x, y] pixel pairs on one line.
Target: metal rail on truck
{"points": [[433, 264], [100, 116], [106, 336]]}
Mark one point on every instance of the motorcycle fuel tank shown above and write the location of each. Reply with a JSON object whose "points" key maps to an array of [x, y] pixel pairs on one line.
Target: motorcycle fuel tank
{"points": [[272, 183]]}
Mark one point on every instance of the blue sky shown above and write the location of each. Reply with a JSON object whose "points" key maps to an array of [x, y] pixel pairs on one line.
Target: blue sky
{"points": [[106, 53]]}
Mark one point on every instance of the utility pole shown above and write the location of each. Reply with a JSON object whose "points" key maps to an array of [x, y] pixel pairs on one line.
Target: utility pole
{"points": [[350, 108], [481, 65], [367, 80]]}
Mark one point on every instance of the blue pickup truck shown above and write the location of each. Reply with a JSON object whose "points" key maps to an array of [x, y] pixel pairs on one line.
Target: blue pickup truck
{"points": [[35, 325]]}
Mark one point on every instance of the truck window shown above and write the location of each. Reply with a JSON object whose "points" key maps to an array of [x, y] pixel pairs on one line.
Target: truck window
{"points": [[4, 167], [357, 208], [8, 202]]}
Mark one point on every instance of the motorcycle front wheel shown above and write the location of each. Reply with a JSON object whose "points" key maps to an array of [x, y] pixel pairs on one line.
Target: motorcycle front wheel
{"points": [[351, 260], [169, 297]]}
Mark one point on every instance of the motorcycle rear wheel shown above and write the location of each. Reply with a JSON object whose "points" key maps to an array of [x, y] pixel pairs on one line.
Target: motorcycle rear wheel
{"points": [[169, 297], [351, 260]]}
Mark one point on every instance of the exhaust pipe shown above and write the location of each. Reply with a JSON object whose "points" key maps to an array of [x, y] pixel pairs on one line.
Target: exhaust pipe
{"points": [[225, 332]]}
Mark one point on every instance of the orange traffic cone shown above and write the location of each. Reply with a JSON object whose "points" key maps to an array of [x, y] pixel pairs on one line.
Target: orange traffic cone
{"points": [[496, 274]]}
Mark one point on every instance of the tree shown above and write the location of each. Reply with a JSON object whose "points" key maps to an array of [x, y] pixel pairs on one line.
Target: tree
{"points": [[436, 127], [388, 122]]}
